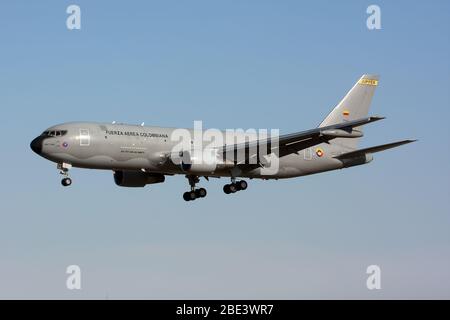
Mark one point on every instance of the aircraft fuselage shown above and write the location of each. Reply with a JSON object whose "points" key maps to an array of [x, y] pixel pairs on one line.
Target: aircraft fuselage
{"points": [[133, 147]]}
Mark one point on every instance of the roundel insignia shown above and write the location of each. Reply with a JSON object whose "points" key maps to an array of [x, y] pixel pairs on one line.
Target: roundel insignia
{"points": [[319, 152], [346, 112], [65, 144]]}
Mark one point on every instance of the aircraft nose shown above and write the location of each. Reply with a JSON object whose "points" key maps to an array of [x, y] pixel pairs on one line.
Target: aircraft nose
{"points": [[36, 145]]}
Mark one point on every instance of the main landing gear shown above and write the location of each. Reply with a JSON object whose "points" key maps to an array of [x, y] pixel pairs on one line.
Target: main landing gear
{"points": [[194, 193], [235, 186], [64, 170]]}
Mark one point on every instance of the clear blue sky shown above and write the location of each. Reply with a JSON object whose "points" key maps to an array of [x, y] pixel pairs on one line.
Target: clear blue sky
{"points": [[258, 64]]}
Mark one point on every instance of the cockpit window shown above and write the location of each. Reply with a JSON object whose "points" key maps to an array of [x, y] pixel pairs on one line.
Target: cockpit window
{"points": [[56, 133]]}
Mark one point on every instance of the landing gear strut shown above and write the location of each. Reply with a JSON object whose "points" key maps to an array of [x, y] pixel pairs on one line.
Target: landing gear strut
{"points": [[194, 193], [235, 186], [64, 170]]}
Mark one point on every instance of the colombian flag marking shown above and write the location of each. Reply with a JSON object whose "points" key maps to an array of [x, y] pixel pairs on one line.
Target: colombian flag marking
{"points": [[346, 112]]}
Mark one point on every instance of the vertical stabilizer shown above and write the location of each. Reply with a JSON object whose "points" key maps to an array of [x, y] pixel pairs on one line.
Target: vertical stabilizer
{"points": [[355, 105]]}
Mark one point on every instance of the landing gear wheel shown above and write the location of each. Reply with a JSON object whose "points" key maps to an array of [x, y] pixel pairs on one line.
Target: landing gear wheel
{"points": [[190, 195], [194, 193], [66, 182], [235, 186], [200, 193], [242, 184]]}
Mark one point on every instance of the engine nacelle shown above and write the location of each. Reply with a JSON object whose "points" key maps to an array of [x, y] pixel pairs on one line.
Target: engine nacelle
{"points": [[136, 179], [356, 161], [205, 162]]}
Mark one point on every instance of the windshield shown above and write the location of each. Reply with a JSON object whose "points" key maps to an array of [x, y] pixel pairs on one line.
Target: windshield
{"points": [[54, 133]]}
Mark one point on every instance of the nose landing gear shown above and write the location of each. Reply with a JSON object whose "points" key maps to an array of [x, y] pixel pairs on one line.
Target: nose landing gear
{"points": [[64, 170], [194, 193], [66, 182]]}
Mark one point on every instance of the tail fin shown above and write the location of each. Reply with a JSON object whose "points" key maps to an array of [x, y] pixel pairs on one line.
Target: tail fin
{"points": [[355, 105]]}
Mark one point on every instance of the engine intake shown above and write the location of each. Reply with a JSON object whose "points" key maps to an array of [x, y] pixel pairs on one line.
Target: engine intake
{"points": [[136, 179]]}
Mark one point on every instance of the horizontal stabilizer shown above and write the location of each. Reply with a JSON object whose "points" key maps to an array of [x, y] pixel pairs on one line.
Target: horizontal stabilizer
{"points": [[370, 150]]}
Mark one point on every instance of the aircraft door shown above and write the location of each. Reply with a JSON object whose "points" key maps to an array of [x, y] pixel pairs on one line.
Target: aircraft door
{"points": [[307, 154], [85, 138]]}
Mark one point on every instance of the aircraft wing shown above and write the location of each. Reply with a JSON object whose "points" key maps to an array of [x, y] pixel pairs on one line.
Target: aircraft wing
{"points": [[295, 142]]}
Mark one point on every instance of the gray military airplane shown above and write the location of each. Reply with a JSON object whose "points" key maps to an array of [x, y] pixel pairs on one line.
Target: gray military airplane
{"points": [[141, 155]]}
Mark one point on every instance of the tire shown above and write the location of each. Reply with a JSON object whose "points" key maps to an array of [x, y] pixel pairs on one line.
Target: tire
{"points": [[66, 182], [242, 184], [201, 192], [186, 196], [233, 188], [192, 195], [226, 189]]}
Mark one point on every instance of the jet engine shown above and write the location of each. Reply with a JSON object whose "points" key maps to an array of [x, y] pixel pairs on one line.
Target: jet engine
{"points": [[356, 161], [201, 162], [136, 178]]}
